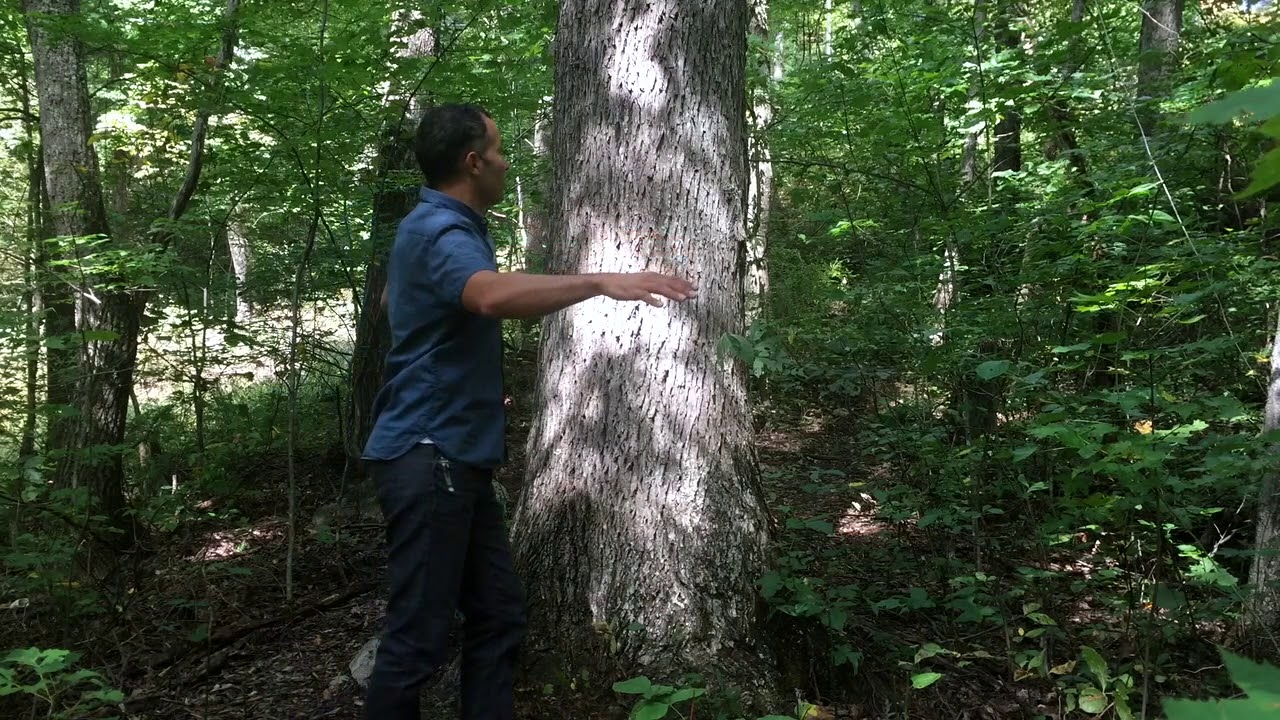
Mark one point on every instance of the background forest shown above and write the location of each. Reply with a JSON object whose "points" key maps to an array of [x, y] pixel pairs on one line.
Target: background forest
{"points": [[1009, 303]]}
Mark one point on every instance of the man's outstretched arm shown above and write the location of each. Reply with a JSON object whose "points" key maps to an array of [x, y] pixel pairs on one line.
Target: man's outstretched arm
{"points": [[521, 295]]}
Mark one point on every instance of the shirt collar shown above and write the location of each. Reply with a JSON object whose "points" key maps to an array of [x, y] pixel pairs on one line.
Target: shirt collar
{"points": [[435, 197]]}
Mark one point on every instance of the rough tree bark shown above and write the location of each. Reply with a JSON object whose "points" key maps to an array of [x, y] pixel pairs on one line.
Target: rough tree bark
{"points": [[397, 185], [643, 526], [1157, 44], [760, 166], [1264, 575], [107, 310], [104, 316], [61, 55]]}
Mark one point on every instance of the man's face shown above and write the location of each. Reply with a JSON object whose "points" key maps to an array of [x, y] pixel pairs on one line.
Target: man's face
{"points": [[490, 169]]}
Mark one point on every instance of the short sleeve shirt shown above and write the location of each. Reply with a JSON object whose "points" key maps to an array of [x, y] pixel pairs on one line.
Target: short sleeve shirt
{"points": [[443, 375]]}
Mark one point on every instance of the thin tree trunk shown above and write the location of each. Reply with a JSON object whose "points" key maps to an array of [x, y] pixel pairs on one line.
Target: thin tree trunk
{"points": [[760, 167], [828, 20], [392, 200], [535, 246], [1062, 120], [31, 295], [643, 526], [239, 249], [947, 289], [1264, 576]]}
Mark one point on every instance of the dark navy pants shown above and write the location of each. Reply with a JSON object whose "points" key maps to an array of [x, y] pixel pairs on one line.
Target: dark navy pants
{"points": [[447, 550]]}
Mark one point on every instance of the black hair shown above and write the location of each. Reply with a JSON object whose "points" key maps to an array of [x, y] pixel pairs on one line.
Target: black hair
{"points": [[445, 136]]}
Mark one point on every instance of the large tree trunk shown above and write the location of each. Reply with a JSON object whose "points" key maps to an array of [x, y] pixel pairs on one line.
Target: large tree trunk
{"points": [[1157, 45], [1062, 138], [1264, 576], [104, 316], [760, 167], [394, 197], [643, 522], [60, 80], [1007, 153]]}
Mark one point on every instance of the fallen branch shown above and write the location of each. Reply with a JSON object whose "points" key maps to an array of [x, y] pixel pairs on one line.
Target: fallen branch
{"points": [[230, 635]]}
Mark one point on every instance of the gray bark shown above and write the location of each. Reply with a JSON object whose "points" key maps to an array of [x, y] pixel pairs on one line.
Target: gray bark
{"points": [[1264, 576], [65, 151], [643, 526], [77, 211], [1157, 47]]}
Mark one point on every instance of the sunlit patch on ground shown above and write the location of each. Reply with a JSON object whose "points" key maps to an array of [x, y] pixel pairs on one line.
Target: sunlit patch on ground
{"points": [[860, 519], [225, 544]]}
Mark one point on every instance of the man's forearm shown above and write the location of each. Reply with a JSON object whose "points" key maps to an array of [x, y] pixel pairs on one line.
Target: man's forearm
{"points": [[520, 295]]}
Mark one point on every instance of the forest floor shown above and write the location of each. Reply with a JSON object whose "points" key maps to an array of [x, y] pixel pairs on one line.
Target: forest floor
{"points": [[206, 632]]}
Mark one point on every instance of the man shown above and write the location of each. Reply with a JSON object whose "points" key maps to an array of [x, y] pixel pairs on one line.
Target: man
{"points": [[440, 426]]}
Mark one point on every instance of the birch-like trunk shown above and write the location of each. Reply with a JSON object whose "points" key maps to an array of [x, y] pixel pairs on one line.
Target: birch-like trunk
{"points": [[239, 249], [643, 525], [1264, 576], [759, 167]]}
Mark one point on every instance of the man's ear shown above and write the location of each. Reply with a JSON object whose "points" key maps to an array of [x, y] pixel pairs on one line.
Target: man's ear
{"points": [[471, 161]]}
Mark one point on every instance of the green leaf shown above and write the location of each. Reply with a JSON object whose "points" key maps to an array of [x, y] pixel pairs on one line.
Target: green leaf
{"points": [[100, 335], [1169, 598], [635, 686], [1093, 700], [651, 710], [685, 694], [1256, 679], [1096, 664], [924, 680], [836, 619], [1266, 173], [1234, 709], [993, 369], [927, 651], [1123, 711], [1262, 102], [1062, 349]]}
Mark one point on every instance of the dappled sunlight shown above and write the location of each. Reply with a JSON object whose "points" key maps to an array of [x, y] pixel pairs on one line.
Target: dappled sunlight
{"points": [[237, 542], [860, 519]]}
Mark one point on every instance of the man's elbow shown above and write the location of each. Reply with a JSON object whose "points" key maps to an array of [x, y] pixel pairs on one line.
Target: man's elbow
{"points": [[481, 295]]}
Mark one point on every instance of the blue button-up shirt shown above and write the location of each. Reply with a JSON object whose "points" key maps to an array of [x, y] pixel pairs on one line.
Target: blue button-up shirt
{"points": [[443, 376]]}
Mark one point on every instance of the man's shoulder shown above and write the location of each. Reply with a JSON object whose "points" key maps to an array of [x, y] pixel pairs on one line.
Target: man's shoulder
{"points": [[431, 221]]}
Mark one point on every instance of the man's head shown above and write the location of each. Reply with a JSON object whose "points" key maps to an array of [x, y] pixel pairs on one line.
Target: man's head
{"points": [[460, 152]]}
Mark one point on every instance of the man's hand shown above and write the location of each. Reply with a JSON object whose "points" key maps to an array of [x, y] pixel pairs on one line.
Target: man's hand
{"points": [[645, 286]]}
